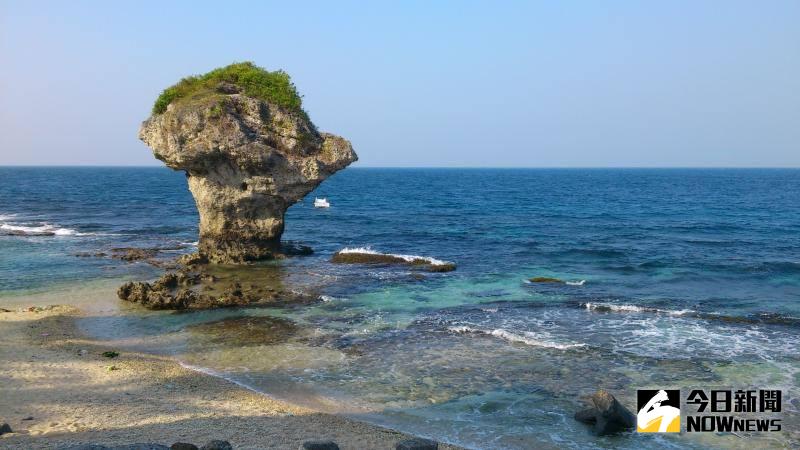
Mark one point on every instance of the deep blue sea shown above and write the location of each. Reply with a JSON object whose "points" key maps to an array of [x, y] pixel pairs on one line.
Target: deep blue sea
{"points": [[676, 278]]}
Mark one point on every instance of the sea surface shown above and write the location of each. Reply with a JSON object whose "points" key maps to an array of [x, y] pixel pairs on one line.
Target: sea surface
{"points": [[673, 278]]}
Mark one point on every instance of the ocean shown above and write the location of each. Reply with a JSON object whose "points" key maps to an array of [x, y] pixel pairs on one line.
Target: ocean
{"points": [[673, 279]]}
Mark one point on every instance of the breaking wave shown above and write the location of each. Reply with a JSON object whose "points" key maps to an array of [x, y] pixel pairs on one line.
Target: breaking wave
{"points": [[44, 229], [606, 307], [526, 337]]}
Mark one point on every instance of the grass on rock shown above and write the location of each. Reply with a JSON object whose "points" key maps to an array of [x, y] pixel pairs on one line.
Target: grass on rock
{"points": [[274, 87]]}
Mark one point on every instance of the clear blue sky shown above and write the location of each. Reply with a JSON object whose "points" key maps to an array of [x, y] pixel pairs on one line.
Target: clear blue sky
{"points": [[560, 83]]}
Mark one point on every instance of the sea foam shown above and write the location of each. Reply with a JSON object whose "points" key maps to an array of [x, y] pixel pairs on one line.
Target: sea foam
{"points": [[526, 337], [635, 309], [45, 229]]}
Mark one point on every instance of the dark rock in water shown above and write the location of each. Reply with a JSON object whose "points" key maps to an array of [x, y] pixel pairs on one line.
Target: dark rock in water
{"points": [[90, 254], [417, 444], [213, 286], [217, 445], [5, 428], [27, 233], [183, 446], [446, 267], [606, 414], [366, 258], [290, 249], [352, 257], [544, 280], [133, 253], [318, 445], [247, 158], [145, 294]]}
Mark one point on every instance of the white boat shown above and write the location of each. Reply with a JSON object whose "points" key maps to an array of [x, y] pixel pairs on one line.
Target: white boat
{"points": [[321, 203]]}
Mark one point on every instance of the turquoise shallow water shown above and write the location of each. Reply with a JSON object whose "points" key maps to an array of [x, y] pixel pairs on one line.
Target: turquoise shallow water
{"points": [[678, 278]]}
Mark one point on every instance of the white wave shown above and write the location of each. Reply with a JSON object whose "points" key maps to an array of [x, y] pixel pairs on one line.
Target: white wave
{"points": [[576, 283], [409, 258], [44, 229], [191, 244], [329, 298], [526, 338], [634, 308]]}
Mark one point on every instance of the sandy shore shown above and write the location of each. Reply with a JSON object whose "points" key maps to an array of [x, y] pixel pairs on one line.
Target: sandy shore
{"points": [[57, 389]]}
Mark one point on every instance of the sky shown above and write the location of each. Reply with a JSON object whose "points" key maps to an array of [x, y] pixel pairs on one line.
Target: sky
{"points": [[424, 83]]}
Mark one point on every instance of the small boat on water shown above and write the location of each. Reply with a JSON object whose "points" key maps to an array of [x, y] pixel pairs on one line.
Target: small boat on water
{"points": [[321, 203]]}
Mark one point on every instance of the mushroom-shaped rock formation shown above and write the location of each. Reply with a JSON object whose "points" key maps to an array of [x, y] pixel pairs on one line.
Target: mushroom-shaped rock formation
{"points": [[249, 152]]}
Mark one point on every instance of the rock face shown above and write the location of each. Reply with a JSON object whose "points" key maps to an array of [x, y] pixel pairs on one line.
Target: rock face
{"points": [[246, 160]]}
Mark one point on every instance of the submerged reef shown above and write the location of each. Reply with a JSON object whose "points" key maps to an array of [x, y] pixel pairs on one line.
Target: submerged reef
{"points": [[249, 152]]}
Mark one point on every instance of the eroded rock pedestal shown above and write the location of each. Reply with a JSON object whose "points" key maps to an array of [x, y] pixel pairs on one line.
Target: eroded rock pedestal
{"points": [[246, 161]]}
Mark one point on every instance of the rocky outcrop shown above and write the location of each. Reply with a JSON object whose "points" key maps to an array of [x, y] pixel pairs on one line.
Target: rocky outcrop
{"points": [[246, 160], [606, 414], [196, 285], [366, 256], [544, 280]]}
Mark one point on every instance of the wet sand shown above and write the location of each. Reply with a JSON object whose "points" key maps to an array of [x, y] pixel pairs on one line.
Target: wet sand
{"points": [[57, 389]]}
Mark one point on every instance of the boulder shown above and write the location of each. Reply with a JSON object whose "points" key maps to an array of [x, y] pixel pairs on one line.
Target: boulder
{"points": [[183, 446], [248, 152], [5, 428], [606, 414]]}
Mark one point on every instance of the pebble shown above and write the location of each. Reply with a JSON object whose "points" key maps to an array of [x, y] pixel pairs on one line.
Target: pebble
{"points": [[5, 428]]}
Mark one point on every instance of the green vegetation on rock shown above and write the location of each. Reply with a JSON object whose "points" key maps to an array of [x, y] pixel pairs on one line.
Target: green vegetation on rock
{"points": [[274, 87]]}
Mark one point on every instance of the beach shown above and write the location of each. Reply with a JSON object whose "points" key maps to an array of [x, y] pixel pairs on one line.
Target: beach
{"points": [[58, 390]]}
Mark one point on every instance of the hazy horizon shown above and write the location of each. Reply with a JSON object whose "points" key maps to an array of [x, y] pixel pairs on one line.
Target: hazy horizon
{"points": [[514, 85]]}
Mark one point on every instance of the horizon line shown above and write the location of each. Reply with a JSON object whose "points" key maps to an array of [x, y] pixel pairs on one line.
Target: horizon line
{"points": [[143, 166]]}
